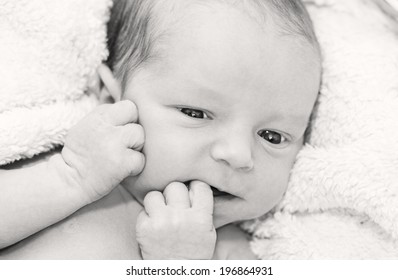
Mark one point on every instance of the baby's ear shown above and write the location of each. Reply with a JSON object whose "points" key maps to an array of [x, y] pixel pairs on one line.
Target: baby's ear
{"points": [[110, 89]]}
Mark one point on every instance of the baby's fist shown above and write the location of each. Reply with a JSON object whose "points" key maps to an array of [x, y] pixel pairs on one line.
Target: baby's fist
{"points": [[177, 224], [104, 148]]}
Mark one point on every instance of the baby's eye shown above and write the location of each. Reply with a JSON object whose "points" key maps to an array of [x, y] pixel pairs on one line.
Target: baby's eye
{"points": [[272, 137], [194, 113]]}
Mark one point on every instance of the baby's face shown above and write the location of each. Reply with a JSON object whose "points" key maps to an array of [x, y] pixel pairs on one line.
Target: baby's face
{"points": [[227, 104]]}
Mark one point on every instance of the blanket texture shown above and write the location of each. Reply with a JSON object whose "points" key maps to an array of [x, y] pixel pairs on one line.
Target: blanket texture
{"points": [[49, 53], [342, 201]]}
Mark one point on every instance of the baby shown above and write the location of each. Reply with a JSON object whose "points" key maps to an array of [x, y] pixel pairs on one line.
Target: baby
{"points": [[224, 91]]}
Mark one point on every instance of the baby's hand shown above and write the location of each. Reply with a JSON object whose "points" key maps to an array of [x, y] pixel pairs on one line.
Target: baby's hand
{"points": [[177, 224], [103, 149]]}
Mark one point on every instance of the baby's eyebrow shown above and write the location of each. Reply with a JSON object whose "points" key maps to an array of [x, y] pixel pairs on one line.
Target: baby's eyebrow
{"points": [[208, 93], [300, 120], [296, 118], [196, 89], [297, 123]]}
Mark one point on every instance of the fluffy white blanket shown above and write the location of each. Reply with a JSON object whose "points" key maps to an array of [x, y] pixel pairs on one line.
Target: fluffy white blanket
{"points": [[49, 52], [342, 201]]}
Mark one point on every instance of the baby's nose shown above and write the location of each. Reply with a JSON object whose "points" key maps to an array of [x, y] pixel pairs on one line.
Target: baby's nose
{"points": [[235, 150]]}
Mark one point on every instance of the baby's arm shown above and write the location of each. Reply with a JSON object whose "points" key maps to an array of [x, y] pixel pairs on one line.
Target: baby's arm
{"points": [[103, 229], [99, 152], [233, 244], [33, 198]]}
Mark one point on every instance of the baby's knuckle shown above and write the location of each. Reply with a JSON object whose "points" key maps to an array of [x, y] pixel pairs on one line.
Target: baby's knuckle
{"points": [[175, 186], [127, 107], [149, 198], [124, 136], [129, 104], [139, 134], [139, 129], [200, 185], [135, 163], [134, 134]]}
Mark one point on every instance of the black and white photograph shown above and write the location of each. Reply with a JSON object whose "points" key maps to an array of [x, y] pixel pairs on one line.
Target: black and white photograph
{"points": [[190, 130]]}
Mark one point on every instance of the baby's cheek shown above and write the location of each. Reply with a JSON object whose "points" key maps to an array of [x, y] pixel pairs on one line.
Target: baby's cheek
{"points": [[270, 191]]}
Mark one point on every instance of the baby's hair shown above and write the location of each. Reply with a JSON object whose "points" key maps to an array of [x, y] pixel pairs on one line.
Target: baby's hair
{"points": [[132, 30], [129, 36]]}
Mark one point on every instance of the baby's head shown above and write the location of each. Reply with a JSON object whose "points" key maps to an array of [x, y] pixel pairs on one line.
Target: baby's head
{"points": [[224, 91]]}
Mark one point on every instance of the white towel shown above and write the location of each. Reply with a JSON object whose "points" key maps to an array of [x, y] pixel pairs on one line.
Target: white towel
{"points": [[49, 52]]}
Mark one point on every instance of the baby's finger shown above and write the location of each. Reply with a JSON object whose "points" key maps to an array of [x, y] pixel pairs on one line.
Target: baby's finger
{"points": [[133, 136], [134, 162], [121, 113], [176, 195], [201, 196], [154, 203]]}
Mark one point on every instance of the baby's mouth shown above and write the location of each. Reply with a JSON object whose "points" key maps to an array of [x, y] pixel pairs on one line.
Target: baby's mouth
{"points": [[217, 192]]}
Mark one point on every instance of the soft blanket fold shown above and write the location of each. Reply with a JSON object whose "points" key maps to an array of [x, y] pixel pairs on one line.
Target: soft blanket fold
{"points": [[49, 53]]}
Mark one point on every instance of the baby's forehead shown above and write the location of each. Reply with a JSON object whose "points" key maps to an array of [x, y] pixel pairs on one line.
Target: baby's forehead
{"points": [[173, 20], [139, 31], [171, 17], [170, 13]]}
